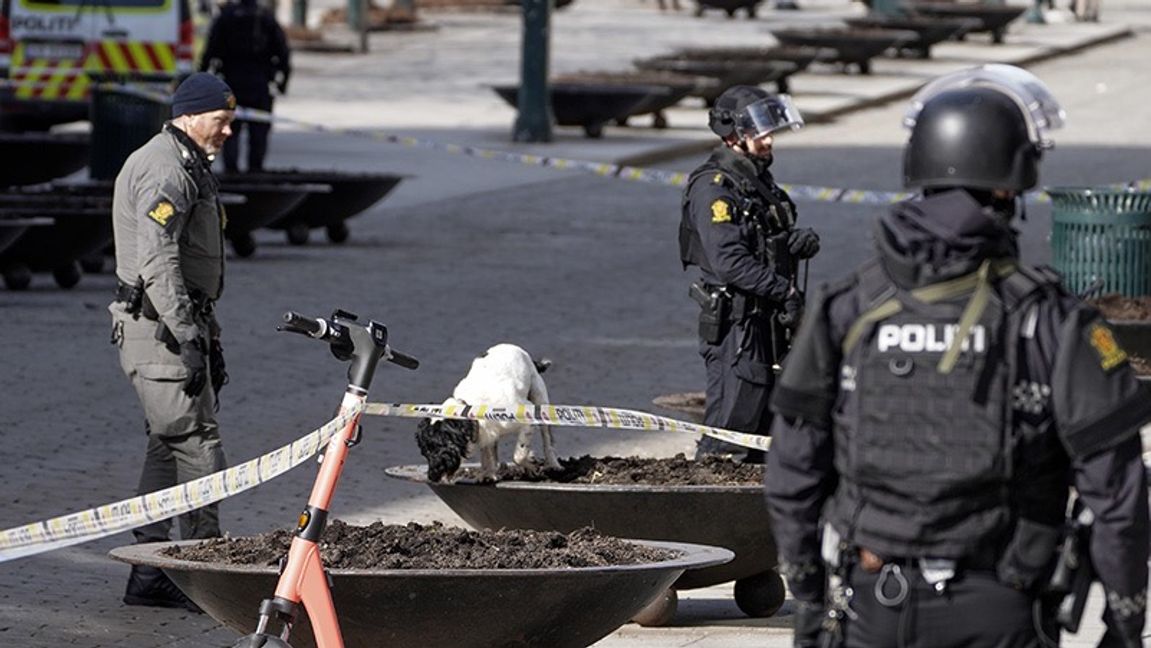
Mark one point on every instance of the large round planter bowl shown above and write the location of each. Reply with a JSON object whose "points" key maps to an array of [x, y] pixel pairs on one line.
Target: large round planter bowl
{"points": [[992, 18], [589, 105], [264, 203], [451, 608], [351, 194], [846, 45], [691, 405], [32, 158], [733, 517]]}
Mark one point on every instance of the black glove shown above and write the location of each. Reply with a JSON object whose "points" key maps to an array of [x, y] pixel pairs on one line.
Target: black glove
{"points": [[808, 624], [192, 355], [1122, 633], [803, 243], [216, 364], [282, 83], [792, 311]]}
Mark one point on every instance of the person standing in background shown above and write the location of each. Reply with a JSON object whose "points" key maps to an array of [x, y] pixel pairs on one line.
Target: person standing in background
{"points": [[248, 48]]}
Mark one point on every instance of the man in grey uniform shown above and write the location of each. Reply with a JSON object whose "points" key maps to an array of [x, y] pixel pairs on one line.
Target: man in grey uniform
{"points": [[169, 229]]}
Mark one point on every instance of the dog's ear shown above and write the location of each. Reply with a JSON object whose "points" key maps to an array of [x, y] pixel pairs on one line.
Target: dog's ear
{"points": [[542, 364], [460, 432], [426, 434]]}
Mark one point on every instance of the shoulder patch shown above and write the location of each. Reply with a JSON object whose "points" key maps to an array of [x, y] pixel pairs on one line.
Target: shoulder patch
{"points": [[162, 212], [720, 211], [1111, 355]]}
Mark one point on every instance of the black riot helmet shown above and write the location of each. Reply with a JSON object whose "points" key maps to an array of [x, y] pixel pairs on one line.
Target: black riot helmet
{"points": [[984, 128], [748, 111]]}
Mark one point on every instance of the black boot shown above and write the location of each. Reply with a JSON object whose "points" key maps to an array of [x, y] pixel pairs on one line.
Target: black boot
{"points": [[150, 586]]}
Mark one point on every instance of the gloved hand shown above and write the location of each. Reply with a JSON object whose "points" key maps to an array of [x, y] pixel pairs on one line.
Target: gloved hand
{"points": [[282, 83], [1122, 633], [192, 355], [808, 624], [217, 366], [792, 311], [803, 243]]}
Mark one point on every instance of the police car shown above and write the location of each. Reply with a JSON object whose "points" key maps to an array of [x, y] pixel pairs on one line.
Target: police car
{"points": [[52, 51]]}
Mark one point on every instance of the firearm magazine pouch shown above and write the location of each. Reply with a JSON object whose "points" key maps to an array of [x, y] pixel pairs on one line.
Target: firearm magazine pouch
{"points": [[1029, 555], [714, 320]]}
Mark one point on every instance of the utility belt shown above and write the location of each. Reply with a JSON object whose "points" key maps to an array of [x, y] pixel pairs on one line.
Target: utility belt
{"points": [[721, 306], [137, 303], [893, 585], [1050, 562]]}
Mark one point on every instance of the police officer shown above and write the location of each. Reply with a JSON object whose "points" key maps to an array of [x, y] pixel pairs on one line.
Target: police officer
{"points": [[169, 234], [939, 403], [738, 228], [247, 46]]}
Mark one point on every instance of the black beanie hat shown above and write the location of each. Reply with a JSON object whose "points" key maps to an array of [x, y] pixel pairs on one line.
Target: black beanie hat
{"points": [[201, 93]]}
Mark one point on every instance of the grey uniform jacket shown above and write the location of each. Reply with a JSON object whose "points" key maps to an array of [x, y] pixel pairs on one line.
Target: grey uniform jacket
{"points": [[169, 228]]}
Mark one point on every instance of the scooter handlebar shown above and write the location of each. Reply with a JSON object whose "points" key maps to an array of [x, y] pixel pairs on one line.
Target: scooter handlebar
{"points": [[404, 360], [297, 323]]}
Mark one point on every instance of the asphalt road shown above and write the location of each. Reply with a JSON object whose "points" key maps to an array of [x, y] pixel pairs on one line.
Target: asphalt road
{"points": [[468, 253]]}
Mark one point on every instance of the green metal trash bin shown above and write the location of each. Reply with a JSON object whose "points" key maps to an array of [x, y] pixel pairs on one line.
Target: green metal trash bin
{"points": [[1102, 234], [121, 123]]}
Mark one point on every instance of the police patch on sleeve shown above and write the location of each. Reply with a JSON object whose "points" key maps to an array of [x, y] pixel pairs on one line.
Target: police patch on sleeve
{"points": [[162, 212], [1110, 354], [720, 211]]}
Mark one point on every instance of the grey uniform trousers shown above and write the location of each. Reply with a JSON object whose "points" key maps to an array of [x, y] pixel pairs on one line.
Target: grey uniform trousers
{"points": [[183, 436]]}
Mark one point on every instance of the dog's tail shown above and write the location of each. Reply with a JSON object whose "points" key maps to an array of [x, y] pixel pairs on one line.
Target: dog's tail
{"points": [[542, 365]]}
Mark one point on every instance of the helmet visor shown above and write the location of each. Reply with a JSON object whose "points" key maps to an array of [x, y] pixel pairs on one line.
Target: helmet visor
{"points": [[1044, 114], [767, 116]]}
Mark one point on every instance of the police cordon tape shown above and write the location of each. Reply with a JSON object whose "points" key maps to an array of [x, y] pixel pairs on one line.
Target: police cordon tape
{"points": [[128, 514], [806, 193], [94, 523], [568, 416]]}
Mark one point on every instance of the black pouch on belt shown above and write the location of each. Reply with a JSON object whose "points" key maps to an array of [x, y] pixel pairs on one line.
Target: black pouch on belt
{"points": [[713, 314]]}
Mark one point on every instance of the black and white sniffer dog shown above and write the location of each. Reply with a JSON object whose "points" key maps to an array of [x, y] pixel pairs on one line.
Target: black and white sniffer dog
{"points": [[504, 376]]}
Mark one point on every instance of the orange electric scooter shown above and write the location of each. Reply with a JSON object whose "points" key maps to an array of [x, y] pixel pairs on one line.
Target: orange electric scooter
{"points": [[302, 577]]}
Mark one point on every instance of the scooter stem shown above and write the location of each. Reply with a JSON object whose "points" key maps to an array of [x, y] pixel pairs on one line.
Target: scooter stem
{"points": [[302, 578]]}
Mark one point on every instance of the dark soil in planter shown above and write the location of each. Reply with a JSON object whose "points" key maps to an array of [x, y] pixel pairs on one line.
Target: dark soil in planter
{"points": [[676, 471], [1118, 307], [435, 546]]}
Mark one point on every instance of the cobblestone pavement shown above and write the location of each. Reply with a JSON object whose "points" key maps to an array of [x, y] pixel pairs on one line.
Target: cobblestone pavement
{"points": [[465, 254]]}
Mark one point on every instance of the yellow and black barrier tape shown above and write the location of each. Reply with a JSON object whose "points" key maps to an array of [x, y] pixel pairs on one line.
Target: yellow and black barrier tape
{"points": [[806, 193], [128, 514], [567, 416], [94, 523]]}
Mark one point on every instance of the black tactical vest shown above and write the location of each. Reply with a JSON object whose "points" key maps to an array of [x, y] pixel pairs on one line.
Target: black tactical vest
{"points": [[925, 453], [764, 203]]}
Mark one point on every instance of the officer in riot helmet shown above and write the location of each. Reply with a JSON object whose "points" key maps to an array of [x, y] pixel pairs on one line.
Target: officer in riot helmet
{"points": [[738, 228], [939, 405]]}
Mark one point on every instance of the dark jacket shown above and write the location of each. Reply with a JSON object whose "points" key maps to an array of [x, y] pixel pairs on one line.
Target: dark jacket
{"points": [[718, 235], [249, 48], [1075, 405]]}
